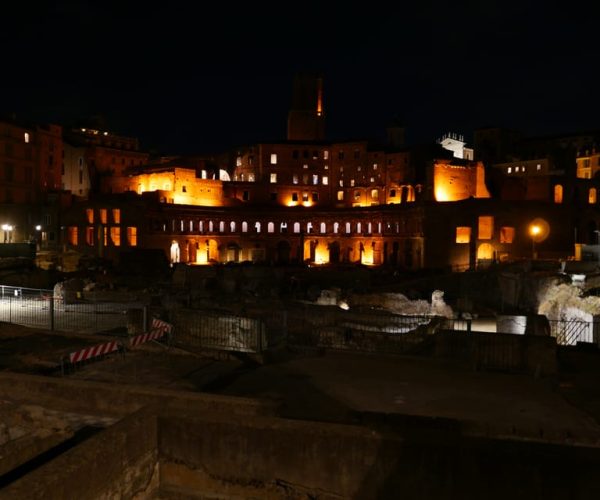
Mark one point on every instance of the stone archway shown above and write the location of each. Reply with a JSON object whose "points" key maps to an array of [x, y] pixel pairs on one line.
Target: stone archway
{"points": [[485, 251]]}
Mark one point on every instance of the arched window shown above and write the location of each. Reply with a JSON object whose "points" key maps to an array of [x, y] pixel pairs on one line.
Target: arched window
{"points": [[323, 228], [232, 226], [222, 227], [270, 227], [210, 226], [257, 227], [336, 227], [359, 228], [244, 227], [348, 228], [592, 196], [296, 227], [369, 228], [558, 194], [309, 227]]}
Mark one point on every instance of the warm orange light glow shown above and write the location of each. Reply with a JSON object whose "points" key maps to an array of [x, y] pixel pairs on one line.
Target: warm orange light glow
{"points": [[535, 230], [441, 194], [367, 256], [463, 234], [320, 100], [321, 254]]}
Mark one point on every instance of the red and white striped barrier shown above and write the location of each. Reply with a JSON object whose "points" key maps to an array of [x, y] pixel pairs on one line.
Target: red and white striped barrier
{"points": [[157, 329], [93, 351]]}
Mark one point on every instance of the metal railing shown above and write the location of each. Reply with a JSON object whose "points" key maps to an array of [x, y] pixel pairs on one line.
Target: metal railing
{"points": [[39, 308], [570, 332]]}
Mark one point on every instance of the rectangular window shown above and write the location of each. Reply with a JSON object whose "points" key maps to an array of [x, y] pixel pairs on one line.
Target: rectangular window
{"points": [[326, 155], [509, 170], [132, 236], [273, 158], [294, 196], [538, 167], [89, 212], [295, 179], [325, 180], [89, 235], [463, 234], [315, 196], [26, 137], [315, 179], [392, 193], [340, 196], [357, 195], [116, 214], [103, 215], [305, 196], [273, 178], [72, 235], [246, 195], [486, 227], [115, 236], [507, 234]]}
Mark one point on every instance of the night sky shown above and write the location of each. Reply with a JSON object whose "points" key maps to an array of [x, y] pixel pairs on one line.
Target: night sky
{"points": [[188, 78]]}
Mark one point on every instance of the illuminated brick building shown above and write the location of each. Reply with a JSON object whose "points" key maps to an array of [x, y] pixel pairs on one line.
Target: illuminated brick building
{"points": [[309, 200]]}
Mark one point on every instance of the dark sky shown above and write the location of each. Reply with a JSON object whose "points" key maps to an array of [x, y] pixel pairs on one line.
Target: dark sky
{"points": [[191, 77]]}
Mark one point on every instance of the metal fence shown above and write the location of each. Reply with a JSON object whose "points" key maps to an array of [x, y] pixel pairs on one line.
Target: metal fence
{"points": [[39, 308], [571, 332], [248, 332]]}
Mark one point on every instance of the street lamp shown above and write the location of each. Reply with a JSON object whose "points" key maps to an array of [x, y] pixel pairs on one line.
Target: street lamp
{"points": [[535, 231]]}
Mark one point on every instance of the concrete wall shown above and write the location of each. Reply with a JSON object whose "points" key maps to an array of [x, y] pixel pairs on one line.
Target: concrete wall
{"points": [[505, 352], [276, 458], [120, 462], [118, 400]]}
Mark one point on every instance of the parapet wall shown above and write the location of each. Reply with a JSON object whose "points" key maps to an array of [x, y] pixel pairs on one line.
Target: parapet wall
{"points": [[119, 400]]}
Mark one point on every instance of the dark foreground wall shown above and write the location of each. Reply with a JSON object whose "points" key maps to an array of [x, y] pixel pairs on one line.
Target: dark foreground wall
{"points": [[217, 455]]}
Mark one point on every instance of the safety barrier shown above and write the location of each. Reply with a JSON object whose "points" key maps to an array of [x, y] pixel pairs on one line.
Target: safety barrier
{"points": [[157, 330], [93, 351]]}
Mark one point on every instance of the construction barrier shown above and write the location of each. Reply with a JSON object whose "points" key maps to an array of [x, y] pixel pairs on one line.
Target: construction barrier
{"points": [[158, 329], [93, 351]]}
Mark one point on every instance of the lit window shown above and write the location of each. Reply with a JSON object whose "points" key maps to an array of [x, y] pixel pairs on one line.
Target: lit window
{"points": [[558, 193], [273, 158], [372, 179], [103, 215], [270, 227], [357, 195], [89, 235], [132, 236], [273, 178], [325, 180], [251, 177], [538, 167], [305, 166], [116, 213], [374, 194], [486, 227], [509, 170], [238, 161], [295, 179], [592, 196], [72, 235], [326, 167], [326, 155], [351, 182], [323, 228], [89, 212], [315, 179], [305, 196], [341, 183], [115, 236], [374, 166], [296, 227], [26, 137], [507, 234], [463, 234]]}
